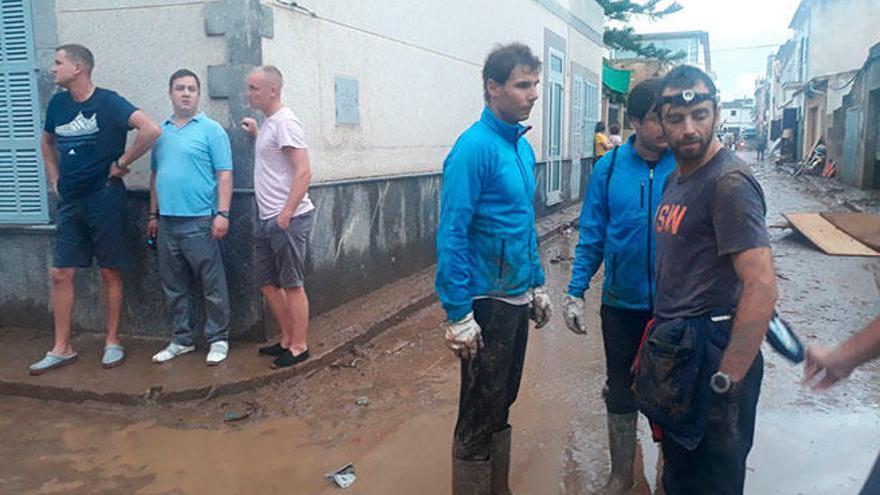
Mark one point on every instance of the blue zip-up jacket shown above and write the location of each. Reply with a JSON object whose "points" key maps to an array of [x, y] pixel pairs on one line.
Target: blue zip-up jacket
{"points": [[621, 235], [487, 244]]}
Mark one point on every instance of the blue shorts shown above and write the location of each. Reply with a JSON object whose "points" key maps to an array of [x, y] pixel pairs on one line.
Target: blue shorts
{"points": [[93, 226]]}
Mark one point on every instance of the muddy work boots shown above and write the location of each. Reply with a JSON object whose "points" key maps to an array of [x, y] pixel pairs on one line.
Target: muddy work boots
{"points": [[487, 477], [622, 445]]}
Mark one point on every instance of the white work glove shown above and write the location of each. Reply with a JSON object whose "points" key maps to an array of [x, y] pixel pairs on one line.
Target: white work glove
{"points": [[573, 312], [463, 337], [539, 309]]}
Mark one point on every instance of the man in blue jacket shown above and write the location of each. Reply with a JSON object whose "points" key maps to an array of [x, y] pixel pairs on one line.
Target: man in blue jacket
{"points": [[489, 276], [615, 226]]}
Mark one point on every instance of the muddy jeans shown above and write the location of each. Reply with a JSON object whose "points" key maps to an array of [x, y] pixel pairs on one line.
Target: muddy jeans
{"points": [[490, 382], [718, 465], [189, 260], [622, 331]]}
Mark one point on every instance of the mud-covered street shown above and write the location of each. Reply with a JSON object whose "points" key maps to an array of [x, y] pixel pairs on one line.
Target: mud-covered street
{"points": [[390, 406]]}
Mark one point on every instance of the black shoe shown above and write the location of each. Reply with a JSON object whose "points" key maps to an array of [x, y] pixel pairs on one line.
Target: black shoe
{"points": [[288, 359], [272, 350]]}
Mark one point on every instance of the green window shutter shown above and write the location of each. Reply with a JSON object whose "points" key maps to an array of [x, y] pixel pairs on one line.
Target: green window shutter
{"points": [[22, 183]]}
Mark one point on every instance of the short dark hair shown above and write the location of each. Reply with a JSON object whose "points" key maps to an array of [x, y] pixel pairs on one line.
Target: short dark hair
{"points": [[78, 54], [614, 129], [600, 126], [642, 98], [503, 59], [686, 77], [179, 73]]}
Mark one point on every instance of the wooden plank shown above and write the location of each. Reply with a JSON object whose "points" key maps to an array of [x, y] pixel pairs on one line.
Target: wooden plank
{"points": [[864, 227], [826, 236]]}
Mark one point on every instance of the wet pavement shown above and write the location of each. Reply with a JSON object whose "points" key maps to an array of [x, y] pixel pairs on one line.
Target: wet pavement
{"points": [[388, 406]]}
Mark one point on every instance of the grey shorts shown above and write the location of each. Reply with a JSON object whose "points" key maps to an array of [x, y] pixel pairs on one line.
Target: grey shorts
{"points": [[280, 255]]}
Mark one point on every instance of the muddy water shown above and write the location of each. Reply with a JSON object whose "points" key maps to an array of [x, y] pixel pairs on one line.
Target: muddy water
{"points": [[406, 381]]}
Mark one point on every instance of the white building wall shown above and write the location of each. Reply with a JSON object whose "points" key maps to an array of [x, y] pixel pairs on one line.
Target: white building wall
{"points": [[137, 45], [418, 67], [841, 33]]}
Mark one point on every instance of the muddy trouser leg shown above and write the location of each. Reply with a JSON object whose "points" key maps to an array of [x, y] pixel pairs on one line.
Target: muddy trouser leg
{"points": [[718, 465], [872, 484], [621, 334], [490, 382]]}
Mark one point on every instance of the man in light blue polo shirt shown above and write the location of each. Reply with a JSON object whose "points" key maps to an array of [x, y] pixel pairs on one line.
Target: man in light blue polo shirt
{"points": [[190, 194]]}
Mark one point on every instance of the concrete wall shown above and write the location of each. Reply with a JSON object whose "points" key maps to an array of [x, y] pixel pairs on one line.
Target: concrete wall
{"points": [[861, 153], [378, 182], [137, 45], [419, 87], [840, 34]]}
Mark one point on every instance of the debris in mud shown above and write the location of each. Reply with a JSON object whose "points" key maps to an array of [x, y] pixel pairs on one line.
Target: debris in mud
{"points": [[230, 416], [399, 347], [362, 401], [346, 364], [343, 477], [560, 258], [233, 416]]}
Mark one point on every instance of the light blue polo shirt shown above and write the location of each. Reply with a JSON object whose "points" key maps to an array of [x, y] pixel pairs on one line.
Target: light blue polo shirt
{"points": [[186, 160]]}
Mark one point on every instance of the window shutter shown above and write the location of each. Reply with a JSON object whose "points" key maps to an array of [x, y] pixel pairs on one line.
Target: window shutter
{"points": [[22, 183]]}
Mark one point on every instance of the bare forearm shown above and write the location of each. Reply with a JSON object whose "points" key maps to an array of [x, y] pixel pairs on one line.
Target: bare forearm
{"points": [[143, 141], [861, 347], [749, 328], [298, 189], [154, 199], [224, 190], [50, 159]]}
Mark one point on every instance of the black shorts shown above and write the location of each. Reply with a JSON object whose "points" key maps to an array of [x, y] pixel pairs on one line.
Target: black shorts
{"points": [[93, 226]]}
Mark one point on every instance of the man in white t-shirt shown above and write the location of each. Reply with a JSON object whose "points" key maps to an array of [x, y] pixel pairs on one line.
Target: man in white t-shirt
{"points": [[286, 214]]}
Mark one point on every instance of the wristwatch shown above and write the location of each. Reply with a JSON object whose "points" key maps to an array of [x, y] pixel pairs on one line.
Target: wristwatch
{"points": [[720, 383], [224, 214], [119, 165]]}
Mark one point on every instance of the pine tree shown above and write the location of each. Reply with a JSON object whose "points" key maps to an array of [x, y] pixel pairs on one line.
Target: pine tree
{"points": [[625, 38]]}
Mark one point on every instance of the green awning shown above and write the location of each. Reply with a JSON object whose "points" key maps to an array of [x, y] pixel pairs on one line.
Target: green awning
{"points": [[615, 79]]}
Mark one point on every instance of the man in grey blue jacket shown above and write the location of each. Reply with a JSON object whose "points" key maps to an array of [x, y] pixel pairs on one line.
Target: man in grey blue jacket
{"points": [[489, 276], [615, 227]]}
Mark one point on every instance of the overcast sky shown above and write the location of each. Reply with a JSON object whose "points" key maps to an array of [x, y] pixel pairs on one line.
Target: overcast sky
{"points": [[732, 24]]}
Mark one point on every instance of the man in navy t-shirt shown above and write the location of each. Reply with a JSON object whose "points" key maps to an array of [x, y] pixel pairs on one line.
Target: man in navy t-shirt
{"points": [[84, 151]]}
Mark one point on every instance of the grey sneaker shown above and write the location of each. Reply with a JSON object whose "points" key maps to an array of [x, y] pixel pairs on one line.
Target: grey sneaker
{"points": [[172, 351]]}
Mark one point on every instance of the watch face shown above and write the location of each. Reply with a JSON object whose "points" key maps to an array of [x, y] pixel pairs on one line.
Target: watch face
{"points": [[720, 383]]}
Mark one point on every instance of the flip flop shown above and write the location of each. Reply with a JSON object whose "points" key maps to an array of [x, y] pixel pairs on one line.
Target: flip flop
{"points": [[114, 355], [50, 362]]}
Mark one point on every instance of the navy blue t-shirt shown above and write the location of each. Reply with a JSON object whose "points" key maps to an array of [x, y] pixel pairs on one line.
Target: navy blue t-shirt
{"points": [[89, 135]]}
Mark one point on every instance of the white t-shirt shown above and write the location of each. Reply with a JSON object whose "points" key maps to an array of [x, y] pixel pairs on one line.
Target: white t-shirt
{"points": [[273, 175]]}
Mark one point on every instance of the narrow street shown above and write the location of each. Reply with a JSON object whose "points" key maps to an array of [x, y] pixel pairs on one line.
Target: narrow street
{"points": [[390, 408]]}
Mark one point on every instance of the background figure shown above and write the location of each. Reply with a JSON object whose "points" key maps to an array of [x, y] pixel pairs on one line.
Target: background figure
{"points": [[614, 135], [615, 229], [191, 185], [825, 367], [601, 144], [282, 174], [760, 146], [489, 275], [83, 144]]}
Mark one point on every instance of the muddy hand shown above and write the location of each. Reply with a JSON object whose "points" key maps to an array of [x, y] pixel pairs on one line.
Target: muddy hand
{"points": [[539, 309], [573, 312], [463, 337]]}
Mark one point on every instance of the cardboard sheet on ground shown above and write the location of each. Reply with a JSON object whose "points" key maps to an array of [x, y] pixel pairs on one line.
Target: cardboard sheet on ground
{"points": [[864, 227], [829, 238]]}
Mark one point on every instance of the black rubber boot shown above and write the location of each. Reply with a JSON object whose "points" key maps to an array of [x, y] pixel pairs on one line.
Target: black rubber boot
{"points": [[500, 457], [622, 445], [471, 477]]}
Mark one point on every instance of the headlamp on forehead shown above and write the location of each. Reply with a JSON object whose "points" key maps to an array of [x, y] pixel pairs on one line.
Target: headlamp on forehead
{"points": [[686, 98]]}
